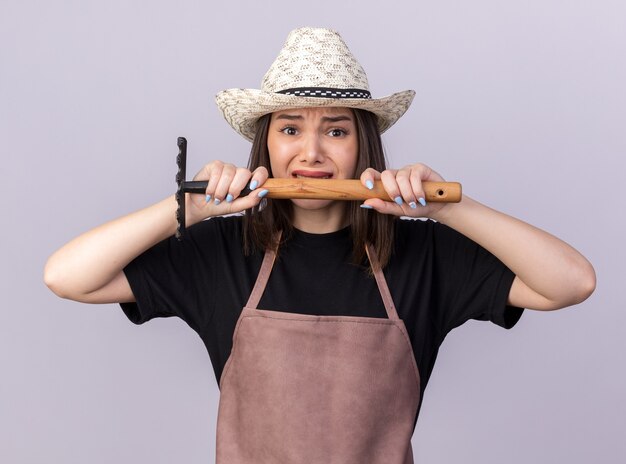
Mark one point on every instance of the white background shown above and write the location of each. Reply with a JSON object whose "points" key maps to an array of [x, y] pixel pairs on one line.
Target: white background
{"points": [[523, 102]]}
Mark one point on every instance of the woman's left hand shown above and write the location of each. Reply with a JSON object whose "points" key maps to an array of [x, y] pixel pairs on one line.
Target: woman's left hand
{"points": [[405, 187]]}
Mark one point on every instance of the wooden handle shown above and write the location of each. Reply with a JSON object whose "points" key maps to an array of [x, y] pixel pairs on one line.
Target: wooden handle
{"points": [[351, 189]]}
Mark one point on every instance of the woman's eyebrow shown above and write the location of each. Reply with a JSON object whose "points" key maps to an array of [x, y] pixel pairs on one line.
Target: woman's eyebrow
{"points": [[336, 118], [290, 117]]}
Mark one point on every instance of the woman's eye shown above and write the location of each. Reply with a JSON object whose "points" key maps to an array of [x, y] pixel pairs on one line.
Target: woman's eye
{"points": [[289, 130], [337, 132]]}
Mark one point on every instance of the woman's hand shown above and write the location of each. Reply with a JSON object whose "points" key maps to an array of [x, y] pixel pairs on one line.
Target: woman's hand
{"points": [[405, 187], [225, 183]]}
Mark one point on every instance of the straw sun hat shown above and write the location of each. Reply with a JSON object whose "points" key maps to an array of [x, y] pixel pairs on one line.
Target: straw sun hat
{"points": [[314, 68]]}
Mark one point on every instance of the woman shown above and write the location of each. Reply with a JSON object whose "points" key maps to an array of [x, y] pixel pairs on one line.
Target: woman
{"points": [[333, 365]]}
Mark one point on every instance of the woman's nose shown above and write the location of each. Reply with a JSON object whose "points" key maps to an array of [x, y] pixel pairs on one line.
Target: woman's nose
{"points": [[313, 150]]}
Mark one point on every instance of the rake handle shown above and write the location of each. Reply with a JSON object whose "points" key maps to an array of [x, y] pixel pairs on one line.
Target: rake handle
{"points": [[337, 189], [321, 189]]}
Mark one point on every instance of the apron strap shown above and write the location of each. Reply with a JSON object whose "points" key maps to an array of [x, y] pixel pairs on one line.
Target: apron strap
{"points": [[262, 278], [268, 263], [383, 288]]}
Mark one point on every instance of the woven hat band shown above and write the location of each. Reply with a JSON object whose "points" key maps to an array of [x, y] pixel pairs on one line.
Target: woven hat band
{"points": [[327, 92]]}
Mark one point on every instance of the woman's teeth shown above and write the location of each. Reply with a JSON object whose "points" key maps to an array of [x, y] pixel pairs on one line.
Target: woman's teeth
{"points": [[300, 176]]}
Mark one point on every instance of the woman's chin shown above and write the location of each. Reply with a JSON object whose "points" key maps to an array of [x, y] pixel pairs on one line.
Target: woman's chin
{"points": [[312, 204], [319, 216]]}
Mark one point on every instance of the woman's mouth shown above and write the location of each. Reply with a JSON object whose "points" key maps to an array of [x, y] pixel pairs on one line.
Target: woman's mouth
{"points": [[311, 174]]}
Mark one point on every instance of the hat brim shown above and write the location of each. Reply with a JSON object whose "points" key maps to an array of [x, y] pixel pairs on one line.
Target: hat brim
{"points": [[243, 107]]}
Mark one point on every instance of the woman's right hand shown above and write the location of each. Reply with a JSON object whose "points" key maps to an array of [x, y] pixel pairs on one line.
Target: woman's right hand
{"points": [[225, 183], [90, 267]]}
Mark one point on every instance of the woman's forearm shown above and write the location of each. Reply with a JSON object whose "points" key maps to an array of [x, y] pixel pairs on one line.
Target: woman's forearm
{"points": [[558, 274], [95, 258]]}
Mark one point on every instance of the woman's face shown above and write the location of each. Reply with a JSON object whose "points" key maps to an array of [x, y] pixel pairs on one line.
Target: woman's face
{"points": [[319, 143], [315, 143]]}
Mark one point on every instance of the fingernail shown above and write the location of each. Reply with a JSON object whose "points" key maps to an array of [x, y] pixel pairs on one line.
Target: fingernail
{"points": [[263, 192], [254, 184], [217, 201], [422, 201], [369, 184], [366, 206], [208, 198], [398, 200], [413, 205], [229, 198]]}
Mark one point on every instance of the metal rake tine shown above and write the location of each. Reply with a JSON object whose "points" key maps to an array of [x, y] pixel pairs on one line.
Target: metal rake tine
{"points": [[181, 162]]}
